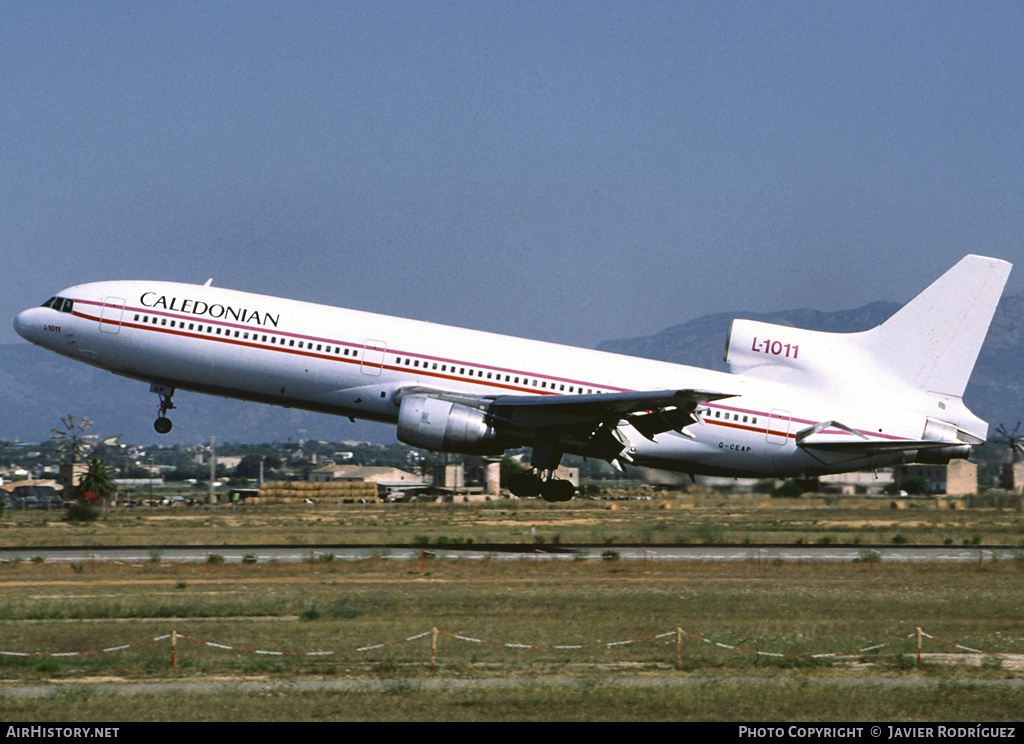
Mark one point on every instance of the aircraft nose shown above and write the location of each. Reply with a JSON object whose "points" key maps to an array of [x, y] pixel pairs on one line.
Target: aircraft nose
{"points": [[19, 324], [23, 324]]}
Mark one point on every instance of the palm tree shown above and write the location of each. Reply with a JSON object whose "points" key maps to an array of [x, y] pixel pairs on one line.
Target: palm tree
{"points": [[98, 479]]}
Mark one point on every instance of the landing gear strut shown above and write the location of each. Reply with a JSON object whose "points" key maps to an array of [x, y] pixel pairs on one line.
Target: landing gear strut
{"points": [[162, 423]]}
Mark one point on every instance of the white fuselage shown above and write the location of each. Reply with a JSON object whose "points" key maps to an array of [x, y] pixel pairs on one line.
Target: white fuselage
{"points": [[352, 363]]}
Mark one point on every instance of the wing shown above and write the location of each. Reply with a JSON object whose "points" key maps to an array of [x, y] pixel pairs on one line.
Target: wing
{"points": [[585, 424]]}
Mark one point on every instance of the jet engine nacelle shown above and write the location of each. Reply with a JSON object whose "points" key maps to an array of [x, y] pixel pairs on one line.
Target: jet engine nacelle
{"points": [[942, 455], [443, 426]]}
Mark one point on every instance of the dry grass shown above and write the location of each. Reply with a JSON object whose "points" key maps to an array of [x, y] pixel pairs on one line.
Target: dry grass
{"points": [[796, 609], [666, 520]]}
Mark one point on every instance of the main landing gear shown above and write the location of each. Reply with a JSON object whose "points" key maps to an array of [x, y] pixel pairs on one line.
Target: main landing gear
{"points": [[540, 481], [530, 484], [162, 423]]}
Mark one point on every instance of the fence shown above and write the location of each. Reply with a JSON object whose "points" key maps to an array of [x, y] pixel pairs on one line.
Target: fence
{"points": [[435, 634]]}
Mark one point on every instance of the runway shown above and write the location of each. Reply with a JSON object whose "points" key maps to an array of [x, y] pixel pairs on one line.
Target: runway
{"points": [[707, 553]]}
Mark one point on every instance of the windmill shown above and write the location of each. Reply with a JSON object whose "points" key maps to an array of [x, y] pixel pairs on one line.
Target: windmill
{"points": [[1014, 442], [72, 441], [73, 444]]}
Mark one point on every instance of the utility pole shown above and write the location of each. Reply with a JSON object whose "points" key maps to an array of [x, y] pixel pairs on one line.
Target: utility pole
{"points": [[213, 470]]}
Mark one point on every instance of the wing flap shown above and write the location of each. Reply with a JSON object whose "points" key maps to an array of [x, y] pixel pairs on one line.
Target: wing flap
{"points": [[650, 412]]}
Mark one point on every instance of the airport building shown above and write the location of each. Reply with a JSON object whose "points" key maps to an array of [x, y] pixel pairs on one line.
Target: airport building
{"points": [[366, 473], [958, 478]]}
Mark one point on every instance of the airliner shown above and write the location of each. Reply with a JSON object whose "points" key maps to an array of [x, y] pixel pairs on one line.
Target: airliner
{"points": [[795, 402]]}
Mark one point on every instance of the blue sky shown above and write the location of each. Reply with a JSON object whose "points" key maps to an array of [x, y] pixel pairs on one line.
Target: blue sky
{"points": [[570, 171]]}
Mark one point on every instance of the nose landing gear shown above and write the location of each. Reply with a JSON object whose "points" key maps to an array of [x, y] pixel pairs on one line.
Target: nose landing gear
{"points": [[162, 423]]}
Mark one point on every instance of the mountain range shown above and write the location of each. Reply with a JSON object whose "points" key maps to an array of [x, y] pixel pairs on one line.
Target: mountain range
{"points": [[38, 387]]}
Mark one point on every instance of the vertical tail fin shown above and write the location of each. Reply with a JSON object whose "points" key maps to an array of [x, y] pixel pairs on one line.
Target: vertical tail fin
{"points": [[933, 342]]}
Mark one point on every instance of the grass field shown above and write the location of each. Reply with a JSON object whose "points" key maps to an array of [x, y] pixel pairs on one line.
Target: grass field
{"points": [[793, 609], [672, 519]]}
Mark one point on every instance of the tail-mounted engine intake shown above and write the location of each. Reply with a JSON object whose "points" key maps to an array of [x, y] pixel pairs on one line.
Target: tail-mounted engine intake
{"points": [[440, 425]]}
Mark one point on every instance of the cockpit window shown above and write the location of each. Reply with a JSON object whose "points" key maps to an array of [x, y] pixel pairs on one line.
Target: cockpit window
{"points": [[62, 304]]}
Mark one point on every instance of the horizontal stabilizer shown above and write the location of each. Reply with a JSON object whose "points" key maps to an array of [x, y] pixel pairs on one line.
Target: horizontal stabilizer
{"points": [[834, 437], [874, 446]]}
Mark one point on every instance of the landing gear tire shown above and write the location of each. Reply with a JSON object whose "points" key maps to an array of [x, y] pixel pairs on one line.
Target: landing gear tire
{"points": [[556, 490], [524, 485], [162, 425]]}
